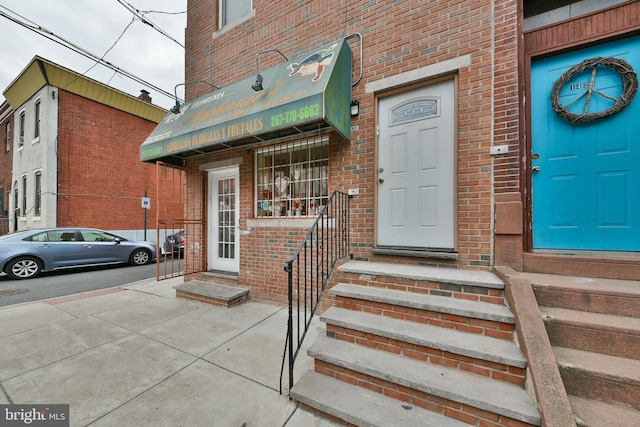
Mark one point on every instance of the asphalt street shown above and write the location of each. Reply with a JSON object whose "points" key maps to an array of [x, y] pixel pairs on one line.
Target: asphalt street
{"points": [[62, 283]]}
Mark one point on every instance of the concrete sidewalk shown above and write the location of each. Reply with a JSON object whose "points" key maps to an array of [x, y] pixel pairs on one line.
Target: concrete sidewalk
{"points": [[139, 356]]}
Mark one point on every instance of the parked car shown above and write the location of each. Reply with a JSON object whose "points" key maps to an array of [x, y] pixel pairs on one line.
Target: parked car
{"points": [[174, 244], [25, 254]]}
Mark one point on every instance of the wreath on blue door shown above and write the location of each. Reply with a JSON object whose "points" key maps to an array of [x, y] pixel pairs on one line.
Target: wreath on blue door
{"points": [[629, 89]]}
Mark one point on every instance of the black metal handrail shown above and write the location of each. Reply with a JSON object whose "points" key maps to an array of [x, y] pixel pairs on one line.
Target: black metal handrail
{"points": [[310, 269]]}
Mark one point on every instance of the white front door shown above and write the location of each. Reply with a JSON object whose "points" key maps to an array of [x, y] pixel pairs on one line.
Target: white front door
{"points": [[224, 238], [416, 155]]}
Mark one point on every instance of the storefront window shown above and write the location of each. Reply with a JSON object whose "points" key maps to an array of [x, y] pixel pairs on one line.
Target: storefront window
{"points": [[292, 179]]}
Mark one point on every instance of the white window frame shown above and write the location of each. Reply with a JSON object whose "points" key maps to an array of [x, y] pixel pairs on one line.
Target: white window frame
{"points": [[7, 147], [37, 196], [225, 26], [37, 114], [22, 124], [23, 199], [307, 179]]}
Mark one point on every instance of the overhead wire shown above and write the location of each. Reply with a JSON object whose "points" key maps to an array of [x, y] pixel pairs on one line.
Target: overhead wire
{"points": [[140, 15], [113, 45], [32, 26]]}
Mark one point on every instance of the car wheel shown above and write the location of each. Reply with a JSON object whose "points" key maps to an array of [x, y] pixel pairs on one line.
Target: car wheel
{"points": [[24, 268], [140, 257]]}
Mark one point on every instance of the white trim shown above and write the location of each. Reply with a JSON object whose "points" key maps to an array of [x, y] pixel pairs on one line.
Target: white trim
{"points": [[213, 260], [305, 223], [429, 71], [230, 25], [569, 11], [210, 167]]}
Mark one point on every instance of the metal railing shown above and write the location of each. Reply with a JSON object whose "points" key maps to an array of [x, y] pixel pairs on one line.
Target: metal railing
{"points": [[310, 269], [181, 248]]}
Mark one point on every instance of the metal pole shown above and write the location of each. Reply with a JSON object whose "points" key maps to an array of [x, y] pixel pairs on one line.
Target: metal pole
{"points": [[289, 269], [145, 218]]}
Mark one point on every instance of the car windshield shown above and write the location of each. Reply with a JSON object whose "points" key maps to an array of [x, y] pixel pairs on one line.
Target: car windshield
{"points": [[14, 234]]}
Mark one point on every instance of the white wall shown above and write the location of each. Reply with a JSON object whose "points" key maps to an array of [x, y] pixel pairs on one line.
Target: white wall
{"points": [[36, 154]]}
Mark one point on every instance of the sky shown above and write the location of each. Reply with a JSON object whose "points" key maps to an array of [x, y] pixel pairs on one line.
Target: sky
{"points": [[106, 29]]}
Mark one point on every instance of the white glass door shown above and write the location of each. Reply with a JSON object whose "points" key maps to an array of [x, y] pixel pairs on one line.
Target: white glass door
{"points": [[224, 238]]}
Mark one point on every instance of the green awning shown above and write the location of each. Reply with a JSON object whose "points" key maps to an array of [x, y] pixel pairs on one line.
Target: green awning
{"points": [[304, 94]]}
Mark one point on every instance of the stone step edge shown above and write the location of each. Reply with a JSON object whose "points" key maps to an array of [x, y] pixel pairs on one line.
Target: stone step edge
{"points": [[212, 290], [592, 295], [599, 365], [362, 407], [584, 285], [478, 278], [590, 320], [463, 343], [440, 304], [462, 387], [590, 412]]}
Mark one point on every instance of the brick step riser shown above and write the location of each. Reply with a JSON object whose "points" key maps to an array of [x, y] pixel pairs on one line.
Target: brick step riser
{"points": [[584, 384], [410, 396], [488, 328], [468, 292], [595, 303], [595, 340], [326, 415], [209, 300], [497, 371]]}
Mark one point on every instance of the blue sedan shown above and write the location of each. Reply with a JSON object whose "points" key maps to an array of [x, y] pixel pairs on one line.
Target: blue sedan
{"points": [[25, 254]]}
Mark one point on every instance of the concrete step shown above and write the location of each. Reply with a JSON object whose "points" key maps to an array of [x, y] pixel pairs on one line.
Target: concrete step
{"points": [[465, 284], [594, 413], [595, 332], [411, 380], [607, 296], [600, 377], [470, 316], [361, 407], [212, 293], [496, 358]]}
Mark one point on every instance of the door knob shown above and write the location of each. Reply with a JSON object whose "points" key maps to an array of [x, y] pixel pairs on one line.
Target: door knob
{"points": [[380, 180], [535, 169]]}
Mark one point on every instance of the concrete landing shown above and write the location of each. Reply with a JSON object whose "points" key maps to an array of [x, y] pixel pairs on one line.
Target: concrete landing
{"points": [[212, 293]]}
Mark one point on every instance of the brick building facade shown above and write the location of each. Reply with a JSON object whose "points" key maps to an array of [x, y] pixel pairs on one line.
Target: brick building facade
{"points": [[111, 160], [477, 95], [6, 160], [397, 50], [546, 221], [75, 155], [485, 51]]}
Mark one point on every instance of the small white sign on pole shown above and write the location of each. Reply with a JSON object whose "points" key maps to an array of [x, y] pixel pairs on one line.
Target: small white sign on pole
{"points": [[146, 202]]}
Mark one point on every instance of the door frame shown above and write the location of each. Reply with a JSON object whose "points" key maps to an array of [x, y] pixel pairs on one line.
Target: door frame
{"points": [[212, 222], [553, 40], [416, 85], [585, 236]]}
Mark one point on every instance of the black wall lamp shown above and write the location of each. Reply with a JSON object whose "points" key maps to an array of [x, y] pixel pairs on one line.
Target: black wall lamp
{"points": [[355, 107], [257, 86], [176, 108]]}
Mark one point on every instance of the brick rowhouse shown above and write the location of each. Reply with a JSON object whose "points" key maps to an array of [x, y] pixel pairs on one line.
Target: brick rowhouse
{"points": [[398, 38]]}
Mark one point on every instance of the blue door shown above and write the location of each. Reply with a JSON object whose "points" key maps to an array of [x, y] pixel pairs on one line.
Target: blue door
{"points": [[586, 176]]}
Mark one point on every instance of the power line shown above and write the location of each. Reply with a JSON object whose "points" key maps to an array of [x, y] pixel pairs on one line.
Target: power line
{"points": [[32, 26], [147, 21]]}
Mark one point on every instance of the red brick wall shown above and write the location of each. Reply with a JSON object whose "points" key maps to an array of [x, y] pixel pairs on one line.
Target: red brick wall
{"points": [[100, 177], [507, 168], [398, 37]]}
